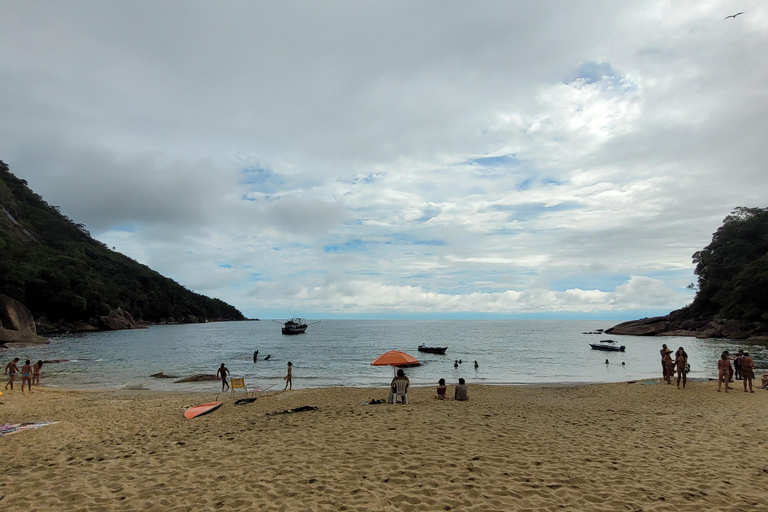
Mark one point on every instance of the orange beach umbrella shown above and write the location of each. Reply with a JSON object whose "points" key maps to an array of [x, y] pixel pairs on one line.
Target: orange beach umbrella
{"points": [[394, 358]]}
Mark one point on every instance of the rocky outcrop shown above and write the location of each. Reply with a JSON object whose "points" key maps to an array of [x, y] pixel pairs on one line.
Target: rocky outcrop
{"points": [[675, 324], [117, 319], [16, 323], [162, 375]]}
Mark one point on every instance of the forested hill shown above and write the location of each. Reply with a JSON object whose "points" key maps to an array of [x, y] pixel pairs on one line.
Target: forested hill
{"points": [[53, 266], [732, 292]]}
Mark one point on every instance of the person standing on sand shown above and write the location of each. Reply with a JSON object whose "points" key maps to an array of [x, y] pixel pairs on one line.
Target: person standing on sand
{"points": [[723, 371], [222, 374], [289, 377], [737, 364], [36, 371], [664, 368], [11, 369], [26, 376], [681, 360], [747, 371], [670, 366]]}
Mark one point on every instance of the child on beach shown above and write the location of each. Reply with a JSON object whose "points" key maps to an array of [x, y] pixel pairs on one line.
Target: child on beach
{"points": [[36, 369], [222, 374], [289, 377], [26, 376], [11, 369], [441, 389]]}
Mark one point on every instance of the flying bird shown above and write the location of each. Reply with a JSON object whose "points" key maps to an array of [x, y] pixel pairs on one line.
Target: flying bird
{"points": [[733, 15]]}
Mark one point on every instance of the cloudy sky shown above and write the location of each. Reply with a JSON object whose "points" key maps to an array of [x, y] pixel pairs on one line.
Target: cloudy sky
{"points": [[355, 159]]}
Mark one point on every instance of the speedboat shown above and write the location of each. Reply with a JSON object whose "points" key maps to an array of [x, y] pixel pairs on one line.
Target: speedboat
{"points": [[432, 350], [607, 345]]}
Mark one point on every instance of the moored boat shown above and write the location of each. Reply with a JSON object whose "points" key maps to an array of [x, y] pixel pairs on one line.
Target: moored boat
{"points": [[295, 326], [432, 350], [607, 345]]}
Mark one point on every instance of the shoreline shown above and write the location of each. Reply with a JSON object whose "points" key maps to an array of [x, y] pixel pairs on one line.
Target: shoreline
{"points": [[597, 447]]}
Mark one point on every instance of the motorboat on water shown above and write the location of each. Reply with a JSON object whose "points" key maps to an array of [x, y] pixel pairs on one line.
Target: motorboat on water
{"points": [[295, 325], [607, 345], [432, 350]]}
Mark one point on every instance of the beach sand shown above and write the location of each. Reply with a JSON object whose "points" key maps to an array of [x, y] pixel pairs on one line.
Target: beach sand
{"points": [[640, 446]]}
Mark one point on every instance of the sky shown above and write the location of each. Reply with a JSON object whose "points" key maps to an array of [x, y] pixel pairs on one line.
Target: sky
{"points": [[399, 159]]}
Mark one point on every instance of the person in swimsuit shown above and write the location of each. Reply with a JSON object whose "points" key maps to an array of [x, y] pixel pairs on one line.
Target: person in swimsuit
{"points": [[747, 371], [222, 374], [670, 366], [11, 369], [289, 377], [681, 360], [664, 367], [723, 371], [441, 389], [36, 372], [26, 376], [737, 365]]}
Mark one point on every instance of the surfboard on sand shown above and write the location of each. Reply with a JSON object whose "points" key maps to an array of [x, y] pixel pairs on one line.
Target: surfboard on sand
{"points": [[199, 410]]}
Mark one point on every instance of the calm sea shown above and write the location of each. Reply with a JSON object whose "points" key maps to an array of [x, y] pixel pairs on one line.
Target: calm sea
{"points": [[339, 352]]}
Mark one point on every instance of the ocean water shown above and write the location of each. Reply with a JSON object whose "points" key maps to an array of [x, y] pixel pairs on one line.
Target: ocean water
{"points": [[339, 352]]}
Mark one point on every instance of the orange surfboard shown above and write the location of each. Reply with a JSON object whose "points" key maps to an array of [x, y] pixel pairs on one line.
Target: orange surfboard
{"points": [[199, 410]]}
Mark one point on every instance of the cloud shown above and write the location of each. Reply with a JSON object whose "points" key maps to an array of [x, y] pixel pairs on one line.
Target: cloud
{"points": [[398, 158]]}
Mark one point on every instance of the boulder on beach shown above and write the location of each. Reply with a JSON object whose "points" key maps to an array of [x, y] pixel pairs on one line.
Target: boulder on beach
{"points": [[17, 325], [200, 377]]}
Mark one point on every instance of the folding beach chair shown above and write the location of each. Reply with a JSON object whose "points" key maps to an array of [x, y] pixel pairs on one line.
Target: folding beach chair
{"points": [[238, 383]]}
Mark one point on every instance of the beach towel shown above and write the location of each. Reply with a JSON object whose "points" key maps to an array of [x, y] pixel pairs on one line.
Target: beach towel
{"points": [[12, 428]]}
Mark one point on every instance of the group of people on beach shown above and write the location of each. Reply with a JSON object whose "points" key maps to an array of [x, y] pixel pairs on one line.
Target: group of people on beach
{"points": [[401, 382], [743, 369], [30, 373], [669, 364]]}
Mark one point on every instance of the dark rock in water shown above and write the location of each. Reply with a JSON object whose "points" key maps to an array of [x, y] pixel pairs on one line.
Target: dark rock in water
{"points": [[161, 375], [200, 377], [16, 323], [118, 319]]}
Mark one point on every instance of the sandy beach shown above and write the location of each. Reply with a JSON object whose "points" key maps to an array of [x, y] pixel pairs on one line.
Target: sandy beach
{"points": [[642, 446]]}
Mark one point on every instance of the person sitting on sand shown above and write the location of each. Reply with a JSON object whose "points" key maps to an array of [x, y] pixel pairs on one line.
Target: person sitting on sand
{"points": [[26, 376], [723, 371], [461, 391], [747, 371], [289, 377], [11, 369], [441, 389], [36, 371], [764, 383], [681, 360], [222, 374]]}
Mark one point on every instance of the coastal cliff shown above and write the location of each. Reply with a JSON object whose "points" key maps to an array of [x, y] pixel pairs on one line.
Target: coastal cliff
{"points": [[732, 293]]}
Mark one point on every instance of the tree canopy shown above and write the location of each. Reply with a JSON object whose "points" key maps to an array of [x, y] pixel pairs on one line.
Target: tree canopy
{"points": [[733, 269], [54, 267]]}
